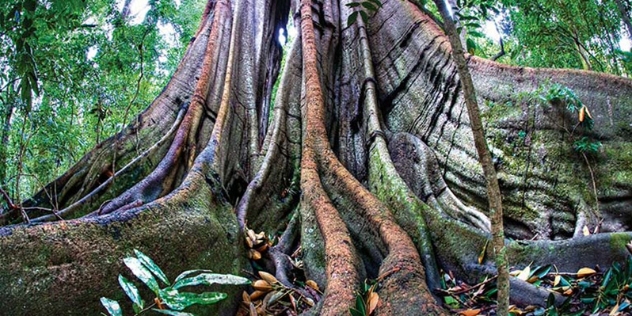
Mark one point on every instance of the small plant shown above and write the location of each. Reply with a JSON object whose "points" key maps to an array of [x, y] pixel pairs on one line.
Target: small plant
{"points": [[561, 95], [366, 301], [365, 7], [558, 95], [585, 145], [169, 300]]}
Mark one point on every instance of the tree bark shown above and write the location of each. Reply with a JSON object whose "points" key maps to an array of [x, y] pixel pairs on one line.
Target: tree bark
{"points": [[369, 149]]}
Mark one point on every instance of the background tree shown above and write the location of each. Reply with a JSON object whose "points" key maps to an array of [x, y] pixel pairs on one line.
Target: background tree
{"points": [[367, 168], [73, 73]]}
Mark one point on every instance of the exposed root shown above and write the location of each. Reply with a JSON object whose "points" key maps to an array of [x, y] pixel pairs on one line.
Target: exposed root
{"points": [[163, 178], [418, 167]]}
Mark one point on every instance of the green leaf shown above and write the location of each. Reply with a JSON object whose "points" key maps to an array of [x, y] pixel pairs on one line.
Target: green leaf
{"points": [[450, 301], [189, 272], [541, 271], [137, 268], [369, 6], [377, 3], [112, 306], [352, 4], [170, 312], [180, 300], [359, 304], [355, 312], [152, 266], [352, 18], [365, 17], [550, 301], [211, 278], [132, 292]]}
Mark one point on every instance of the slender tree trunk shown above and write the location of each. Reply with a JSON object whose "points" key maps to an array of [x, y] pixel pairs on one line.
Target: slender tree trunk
{"points": [[4, 145], [485, 159]]}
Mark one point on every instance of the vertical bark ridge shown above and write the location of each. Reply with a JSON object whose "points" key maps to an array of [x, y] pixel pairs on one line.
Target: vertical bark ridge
{"points": [[277, 171], [340, 256]]}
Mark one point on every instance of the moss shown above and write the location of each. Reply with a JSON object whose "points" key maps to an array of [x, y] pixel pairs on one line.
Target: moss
{"points": [[313, 248], [457, 244], [619, 240], [74, 263]]}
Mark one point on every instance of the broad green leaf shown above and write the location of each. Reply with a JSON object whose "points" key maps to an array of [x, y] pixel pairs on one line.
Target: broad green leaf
{"points": [[353, 4], [359, 305], [450, 301], [152, 266], [170, 312], [189, 272], [365, 17], [541, 271], [112, 306], [142, 273], [369, 6], [550, 301], [132, 292], [352, 18], [180, 300], [377, 3], [355, 312], [211, 278]]}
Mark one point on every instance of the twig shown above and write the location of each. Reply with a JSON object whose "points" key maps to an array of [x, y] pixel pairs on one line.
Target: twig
{"points": [[592, 178]]}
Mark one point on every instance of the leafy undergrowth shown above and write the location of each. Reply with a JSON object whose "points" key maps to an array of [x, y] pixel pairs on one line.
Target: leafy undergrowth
{"points": [[587, 292]]}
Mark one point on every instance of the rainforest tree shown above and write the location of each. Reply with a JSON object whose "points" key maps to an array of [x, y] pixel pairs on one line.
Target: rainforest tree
{"points": [[365, 167]]}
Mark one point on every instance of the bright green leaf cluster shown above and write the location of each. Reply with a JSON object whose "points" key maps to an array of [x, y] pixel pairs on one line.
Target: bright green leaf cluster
{"points": [[148, 272], [363, 9]]}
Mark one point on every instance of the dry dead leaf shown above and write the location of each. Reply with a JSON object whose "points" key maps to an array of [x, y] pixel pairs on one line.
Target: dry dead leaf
{"points": [[312, 284], [524, 274], [515, 310], [252, 310], [245, 297], [584, 272], [585, 231], [629, 246], [257, 295], [557, 280], [251, 234], [582, 112], [262, 285], [254, 255], [372, 301], [615, 310], [470, 312], [268, 277], [309, 301], [587, 112], [481, 256]]}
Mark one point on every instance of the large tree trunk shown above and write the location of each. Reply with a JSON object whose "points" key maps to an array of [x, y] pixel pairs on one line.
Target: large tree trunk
{"points": [[369, 151]]}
